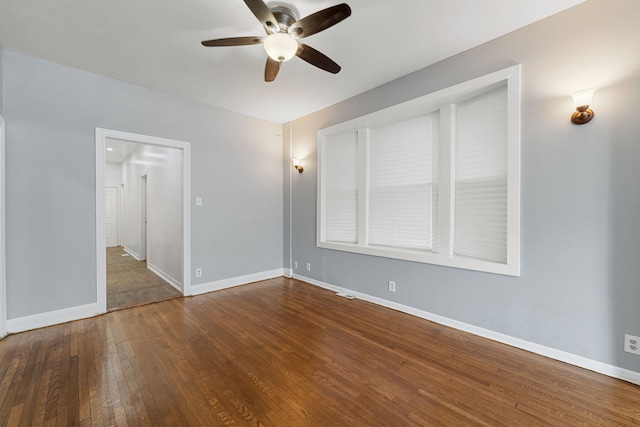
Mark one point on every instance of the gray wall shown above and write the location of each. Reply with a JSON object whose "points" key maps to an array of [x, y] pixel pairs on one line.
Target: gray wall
{"points": [[52, 112], [580, 286], [1, 81]]}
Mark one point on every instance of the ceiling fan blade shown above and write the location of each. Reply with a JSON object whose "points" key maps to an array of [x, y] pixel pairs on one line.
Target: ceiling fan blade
{"points": [[271, 69], [317, 59], [264, 15], [320, 20], [234, 41]]}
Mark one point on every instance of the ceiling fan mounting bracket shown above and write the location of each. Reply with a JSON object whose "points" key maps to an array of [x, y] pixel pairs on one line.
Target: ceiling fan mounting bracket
{"points": [[286, 15]]}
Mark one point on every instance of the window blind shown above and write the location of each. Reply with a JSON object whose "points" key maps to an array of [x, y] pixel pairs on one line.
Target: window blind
{"points": [[400, 175], [480, 220], [340, 174]]}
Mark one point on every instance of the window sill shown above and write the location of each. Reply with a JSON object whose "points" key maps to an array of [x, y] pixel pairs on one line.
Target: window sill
{"points": [[509, 269]]}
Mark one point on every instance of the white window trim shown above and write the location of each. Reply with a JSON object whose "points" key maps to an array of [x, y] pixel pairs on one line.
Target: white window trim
{"points": [[444, 100]]}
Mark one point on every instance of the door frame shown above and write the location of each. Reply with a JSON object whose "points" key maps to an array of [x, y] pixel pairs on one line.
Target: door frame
{"points": [[3, 283], [101, 252]]}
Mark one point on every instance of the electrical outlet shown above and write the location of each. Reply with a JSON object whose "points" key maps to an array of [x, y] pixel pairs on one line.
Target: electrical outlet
{"points": [[198, 272], [632, 344], [392, 286], [295, 264], [308, 266]]}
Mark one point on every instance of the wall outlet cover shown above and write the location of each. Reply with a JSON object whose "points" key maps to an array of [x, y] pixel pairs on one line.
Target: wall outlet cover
{"points": [[632, 344]]}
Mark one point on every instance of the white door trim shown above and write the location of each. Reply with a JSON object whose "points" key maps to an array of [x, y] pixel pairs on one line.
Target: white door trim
{"points": [[101, 267], [3, 284]]}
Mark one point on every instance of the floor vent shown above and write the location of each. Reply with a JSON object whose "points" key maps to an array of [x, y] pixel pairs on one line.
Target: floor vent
{"points": [[343, 295]]}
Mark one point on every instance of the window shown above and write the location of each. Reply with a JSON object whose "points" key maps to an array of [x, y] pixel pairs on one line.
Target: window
{"points": [[434, 180]]}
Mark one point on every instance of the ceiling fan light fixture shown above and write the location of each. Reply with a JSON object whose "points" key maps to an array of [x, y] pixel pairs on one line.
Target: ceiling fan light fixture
{"points": [[280, 47]]}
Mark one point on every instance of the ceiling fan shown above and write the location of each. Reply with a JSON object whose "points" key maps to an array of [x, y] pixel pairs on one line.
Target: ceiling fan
{"points": [[284, 29]]}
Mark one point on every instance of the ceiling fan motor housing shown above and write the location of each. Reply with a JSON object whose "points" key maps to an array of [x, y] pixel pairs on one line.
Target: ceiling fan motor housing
{"points": [[286, 15]]}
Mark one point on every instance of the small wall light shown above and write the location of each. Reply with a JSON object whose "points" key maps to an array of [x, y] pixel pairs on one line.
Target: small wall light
{"points": [[297, 165], [582, 100]]}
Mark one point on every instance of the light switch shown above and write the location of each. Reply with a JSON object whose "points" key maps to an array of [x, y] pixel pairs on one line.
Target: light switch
{"points": [[198, 201]]}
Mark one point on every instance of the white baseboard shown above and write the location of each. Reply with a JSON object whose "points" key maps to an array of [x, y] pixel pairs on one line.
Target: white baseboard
{"points": [[173, 282], [552, 353], [132, 253], [217, 285], [49, 318], [287, 272]]}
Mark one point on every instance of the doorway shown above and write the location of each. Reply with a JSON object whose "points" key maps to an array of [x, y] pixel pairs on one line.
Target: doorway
{"points": [[144, 249]]}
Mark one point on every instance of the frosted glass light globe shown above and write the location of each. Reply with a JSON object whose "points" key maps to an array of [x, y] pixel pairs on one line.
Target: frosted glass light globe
{"points": [[583, 97], [280, 47]]}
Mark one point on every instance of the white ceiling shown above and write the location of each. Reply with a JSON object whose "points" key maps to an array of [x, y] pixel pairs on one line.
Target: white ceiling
{"points": [[156, 44]]}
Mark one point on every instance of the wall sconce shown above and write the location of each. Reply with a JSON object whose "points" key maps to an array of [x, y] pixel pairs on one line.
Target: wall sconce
{"points": [[297, 165], [582, 100]]}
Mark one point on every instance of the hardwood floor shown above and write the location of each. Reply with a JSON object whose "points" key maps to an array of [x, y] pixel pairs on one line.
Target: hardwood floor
{"points": [[285, 353], [130, 282]]}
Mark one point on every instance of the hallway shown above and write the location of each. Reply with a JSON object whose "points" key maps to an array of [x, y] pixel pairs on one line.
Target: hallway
{"points": [[131, 283]]}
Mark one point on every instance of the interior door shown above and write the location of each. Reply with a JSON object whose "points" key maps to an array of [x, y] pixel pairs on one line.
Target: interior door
{"points": [[144, 246], [111, 216]]}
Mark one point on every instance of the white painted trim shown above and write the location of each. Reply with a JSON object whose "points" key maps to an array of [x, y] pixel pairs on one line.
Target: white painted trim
{"points": [[186, 220], [173, 282], [133, 253], [287, 272], [101, 135], [552, 353], [514, 94], [101, 233], [447, 182], [3, 281], [290, 197], [362, 182], [40, 320], [424, 257], [217, 285]]}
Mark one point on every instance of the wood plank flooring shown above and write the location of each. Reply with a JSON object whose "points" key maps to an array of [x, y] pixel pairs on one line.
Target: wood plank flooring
{"points": [[130, 282], [285, 353]]}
